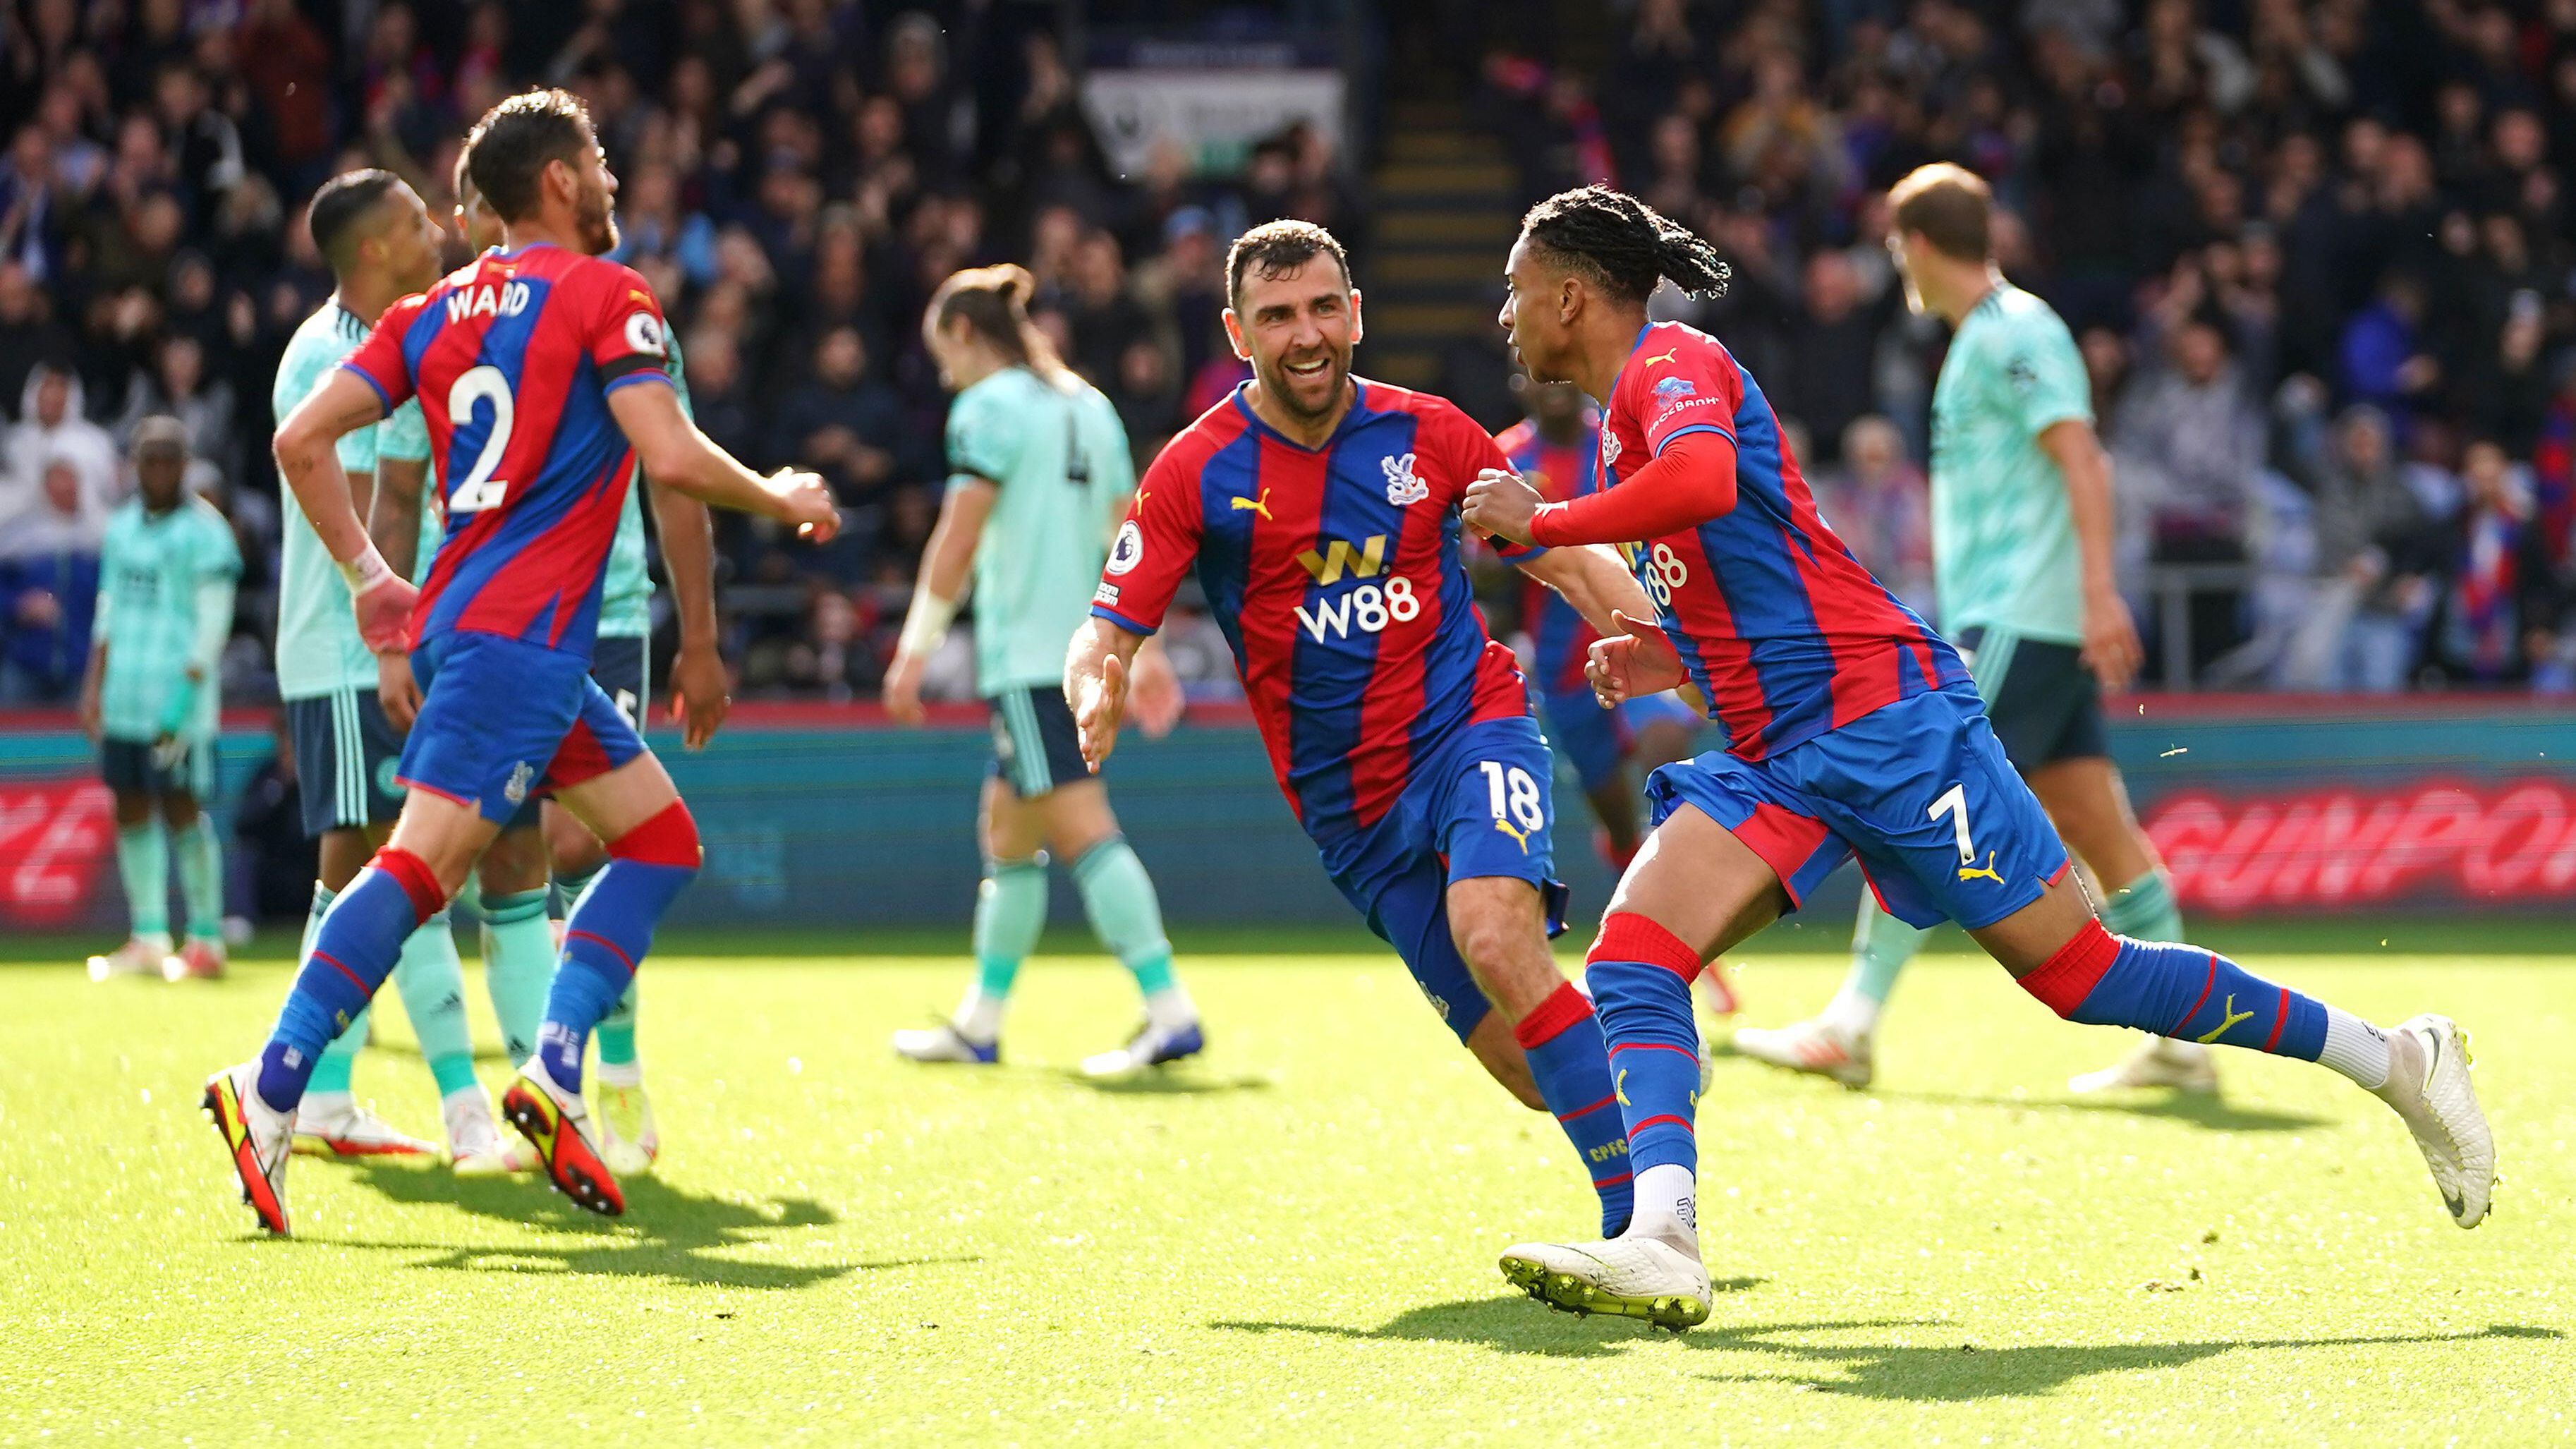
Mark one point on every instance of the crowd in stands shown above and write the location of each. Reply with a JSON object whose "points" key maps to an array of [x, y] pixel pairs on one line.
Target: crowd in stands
{"points": [[2316, 253]]}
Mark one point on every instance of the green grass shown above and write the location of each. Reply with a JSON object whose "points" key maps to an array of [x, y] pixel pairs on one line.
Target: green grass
{"points": [[1293, 1243]]}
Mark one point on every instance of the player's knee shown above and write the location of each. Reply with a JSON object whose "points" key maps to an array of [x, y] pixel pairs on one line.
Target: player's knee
{"points": [[179, 810], [2064, 981], [669, 838]]}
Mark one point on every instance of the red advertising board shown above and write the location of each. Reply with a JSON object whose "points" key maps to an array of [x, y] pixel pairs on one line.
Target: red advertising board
{"points": [[2513, 841], [57, 838]]}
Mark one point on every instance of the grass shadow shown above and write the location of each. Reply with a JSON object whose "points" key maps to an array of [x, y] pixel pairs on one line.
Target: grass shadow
{"points": [[2206, 1110], [1165, 1083], [680, 1237], [1924, 1374]]}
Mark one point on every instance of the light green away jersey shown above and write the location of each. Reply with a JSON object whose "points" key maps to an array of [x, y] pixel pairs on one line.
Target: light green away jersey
{"points": [[2003, 540], [148, 575], [318, 649], [626, 600], [1060, 458]]}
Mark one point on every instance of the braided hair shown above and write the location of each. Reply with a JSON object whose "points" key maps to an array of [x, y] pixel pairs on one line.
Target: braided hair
{"points": [[1622, 244]]}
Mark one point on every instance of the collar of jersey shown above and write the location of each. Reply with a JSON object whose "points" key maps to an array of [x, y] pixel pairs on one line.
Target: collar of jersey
{"points": [[512, 254], [1359, 405], [1634, 346]]}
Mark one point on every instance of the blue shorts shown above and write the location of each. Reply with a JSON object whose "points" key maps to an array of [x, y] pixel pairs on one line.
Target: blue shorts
{"points": [[1919, 790], [623, 665], [503, 721], [1595, 740], [1477, 806]]}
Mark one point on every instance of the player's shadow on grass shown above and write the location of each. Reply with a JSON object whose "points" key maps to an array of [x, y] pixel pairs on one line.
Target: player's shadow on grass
{"points": [[1160, 1083], [2206, 1110], [679, 1237], [1950, 1372]]}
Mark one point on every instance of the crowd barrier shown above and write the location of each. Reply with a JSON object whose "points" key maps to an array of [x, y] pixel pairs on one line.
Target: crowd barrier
{"points": [[826, 816]]}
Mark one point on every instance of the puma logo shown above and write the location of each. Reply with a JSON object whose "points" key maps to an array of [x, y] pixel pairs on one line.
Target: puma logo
{"points": [[1667, 357], [1519, 837], [1260, 505], [1986, 871], [2228, 1016], [1619, 1088]]}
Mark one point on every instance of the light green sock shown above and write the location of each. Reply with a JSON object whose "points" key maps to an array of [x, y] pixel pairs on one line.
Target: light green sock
{"points": [[201, 878], [518, 965], [1118, 896], [616, 1038], [568, 889], [432, 983], [1010, 911], [143, 862], [331, 1069], [2144, 909], [1881, 945]]}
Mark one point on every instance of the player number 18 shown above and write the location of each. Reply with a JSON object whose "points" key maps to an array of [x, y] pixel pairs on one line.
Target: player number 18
{"points": [[1514, 791]]}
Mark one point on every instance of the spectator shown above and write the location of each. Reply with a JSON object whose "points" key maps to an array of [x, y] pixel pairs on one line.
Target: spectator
{"points": [[1878, 501], [848, 428], [2189, 443], [29, 335], [48, 587], [1828, 380], [2359, 628], [50, 431], [2496, 617]]}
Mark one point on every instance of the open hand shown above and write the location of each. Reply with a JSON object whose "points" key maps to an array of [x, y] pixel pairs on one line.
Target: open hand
{"points": [[903, 687], [397, 690], [698, 697], [2111, 648], [1099, 704]]}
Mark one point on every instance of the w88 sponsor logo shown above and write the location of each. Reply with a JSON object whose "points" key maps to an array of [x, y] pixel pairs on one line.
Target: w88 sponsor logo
{"points": [[1368, 608]]}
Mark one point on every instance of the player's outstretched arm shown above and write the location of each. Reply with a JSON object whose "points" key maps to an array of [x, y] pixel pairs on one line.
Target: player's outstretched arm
{"points": [[1095, 684], [2111, 647], [308, 458], [1689, 483], [698, 683], [1594, 581], [945, 562], [676, 455]]}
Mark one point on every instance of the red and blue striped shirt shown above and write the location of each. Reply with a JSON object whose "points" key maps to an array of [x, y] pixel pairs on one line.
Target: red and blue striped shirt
{"points": [[1335, 575], [1784, 632], [513, 357]]}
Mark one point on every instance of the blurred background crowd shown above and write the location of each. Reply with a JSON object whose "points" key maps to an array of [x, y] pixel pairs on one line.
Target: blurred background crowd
{"points": [[2317, 253]]}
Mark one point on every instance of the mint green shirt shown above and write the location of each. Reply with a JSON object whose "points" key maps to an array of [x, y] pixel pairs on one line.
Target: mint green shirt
{"points": [[626, 599], [1059, 457], [318, 649], [2004, 554], [152, 586]]}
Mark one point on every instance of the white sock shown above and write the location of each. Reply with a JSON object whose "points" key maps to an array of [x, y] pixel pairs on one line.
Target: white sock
{"points": [[623, 1074], [326, 1107], [1171, 1008], [1667, 1206], [1851, 1013], [979, 1016], [156, 940], [2355, 1048], [464, 1108]]}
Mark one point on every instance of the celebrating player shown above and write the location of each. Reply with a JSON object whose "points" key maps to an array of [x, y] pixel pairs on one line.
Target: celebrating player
{"points": [[165, 606], [2021, 537], [1320, 511], [380, 244], [1851, 728], [1557, 449], [1039, 473], [530, 362]]}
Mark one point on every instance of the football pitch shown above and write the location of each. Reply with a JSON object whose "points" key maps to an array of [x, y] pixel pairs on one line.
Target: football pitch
{"points": [[1292, 1242]]}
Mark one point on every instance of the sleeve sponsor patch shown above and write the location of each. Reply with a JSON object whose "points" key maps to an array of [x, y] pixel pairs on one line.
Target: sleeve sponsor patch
{"points": [[1125, 553]]}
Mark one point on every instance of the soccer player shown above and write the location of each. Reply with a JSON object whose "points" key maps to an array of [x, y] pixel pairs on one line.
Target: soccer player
{"points": [[380, 244], [1851, 728], [1557, 448], [513, 876], [530, 363], [1040, 474], [1320, 511], [165, 606], [2021, 541]]}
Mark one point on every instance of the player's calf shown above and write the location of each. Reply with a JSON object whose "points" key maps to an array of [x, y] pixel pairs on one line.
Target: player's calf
{"points": [[611, 930]]}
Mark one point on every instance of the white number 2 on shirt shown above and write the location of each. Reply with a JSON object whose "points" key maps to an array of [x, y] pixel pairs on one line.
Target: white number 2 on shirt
{"points": [[1954, 803], [481, 490]]}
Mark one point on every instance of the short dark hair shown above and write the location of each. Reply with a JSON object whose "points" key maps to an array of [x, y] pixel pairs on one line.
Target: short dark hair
{"points": [[340, 209], [1277, 248], [1950, 206], [1621, 244], [510, 147]]}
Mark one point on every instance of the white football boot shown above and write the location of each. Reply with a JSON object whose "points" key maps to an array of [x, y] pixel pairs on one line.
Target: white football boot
{"points": [[1814, 1045], [474, 1144], [945, 1043], [2159, 1061], [1637, 1277], [629, 1142], [139, 956], [1153, 1045], [2428, 1084], [256, 1137], [332, 1124]]}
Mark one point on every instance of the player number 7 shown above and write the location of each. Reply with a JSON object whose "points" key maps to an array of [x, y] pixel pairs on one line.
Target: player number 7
{"points": [[1954, 803]]}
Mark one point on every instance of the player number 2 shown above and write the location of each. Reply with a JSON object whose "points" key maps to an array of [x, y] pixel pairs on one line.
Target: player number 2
{"points": [[1954, 803], [481, 490], [1664, 573], [1512, 795]]}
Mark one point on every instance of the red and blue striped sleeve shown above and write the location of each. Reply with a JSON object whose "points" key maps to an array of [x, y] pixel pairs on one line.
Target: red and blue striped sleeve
{"points": [[1155, 547], [380, 360], [622, 327]]}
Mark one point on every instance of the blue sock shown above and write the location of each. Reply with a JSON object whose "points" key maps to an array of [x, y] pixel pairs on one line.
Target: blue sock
{"points": [[607, 935], [2179, 991], [1563, 1042], [1641, 975], [353, 952]]}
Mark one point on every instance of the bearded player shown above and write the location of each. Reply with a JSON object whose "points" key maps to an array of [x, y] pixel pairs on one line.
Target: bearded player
{"points": [[1320, 513], [540, 370], [1851, 729]]}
